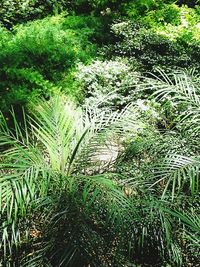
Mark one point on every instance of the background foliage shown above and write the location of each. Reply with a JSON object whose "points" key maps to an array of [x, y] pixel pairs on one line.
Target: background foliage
{"points": [[104, 169], [35, 58]]}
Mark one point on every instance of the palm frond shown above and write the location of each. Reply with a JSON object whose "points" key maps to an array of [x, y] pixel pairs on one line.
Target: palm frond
{"points": [[176, 171], [191, 223], [40, 156], [72, 135], [183, 92]]}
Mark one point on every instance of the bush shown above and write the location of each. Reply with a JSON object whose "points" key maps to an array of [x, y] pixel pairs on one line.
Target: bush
{"points": [[145, 214], [13, 12], [163, 34], [39, 54], [152, 49], [167, 14], [18, 11], [109, 83], [138, 8], [52, 45]]}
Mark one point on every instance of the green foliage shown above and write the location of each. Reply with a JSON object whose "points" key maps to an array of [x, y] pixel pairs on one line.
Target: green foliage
{"points": [[17, 11], [54, 45], [165, 35], [180, 93], [88, 213], [168, 14], [52, 156], [178, 24], [164, 159], [96, 4], [153, 49], [185, 30], [13, 12], [24, 85], [108, 83], [38, 55], [138, 9], [105, 184]]}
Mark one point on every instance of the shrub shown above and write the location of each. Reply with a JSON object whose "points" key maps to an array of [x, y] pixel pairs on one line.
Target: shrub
{"points": [[41, 53], [24, 85], [174, 22], [165, 35], [18, 11], [109, 83], [56, 212], [13, 12], [137, 9], [53, 155], [52, 45], [152, 48], [168, 14]]}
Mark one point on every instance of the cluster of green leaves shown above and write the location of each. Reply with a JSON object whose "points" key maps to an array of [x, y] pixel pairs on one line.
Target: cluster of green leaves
{"points": [[165, 157], [177, 23], [49, 172], [36, 57], [17, 11], [136, 9], [80, 212], [163, 35], [13, 12], [149, 49], [162, 160], [116, 181], [167, 9], [111, 83]]}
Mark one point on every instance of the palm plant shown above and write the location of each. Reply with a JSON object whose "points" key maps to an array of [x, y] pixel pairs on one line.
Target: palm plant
{"points": [[182, 91], [177, 175], [166, 167], [65, 203], [48, 167]]}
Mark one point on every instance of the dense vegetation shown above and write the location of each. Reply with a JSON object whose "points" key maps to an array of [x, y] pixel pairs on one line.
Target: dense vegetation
{"points": [[99, 133]]}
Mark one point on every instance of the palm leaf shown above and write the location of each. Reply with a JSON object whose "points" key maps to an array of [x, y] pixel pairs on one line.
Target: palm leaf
{"points": [[176, 171], [183, 92], [40, 156]]}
